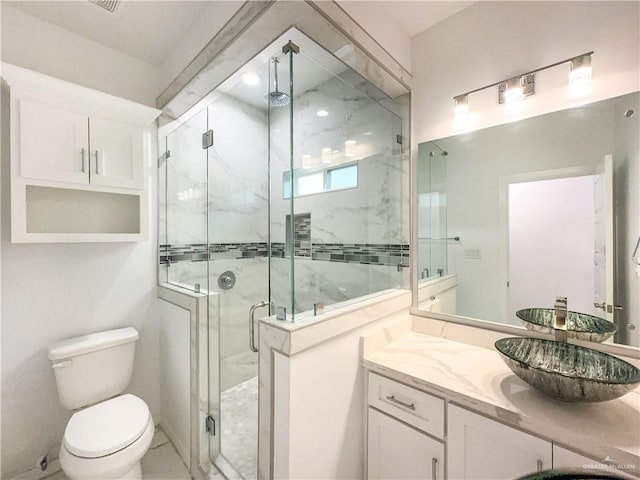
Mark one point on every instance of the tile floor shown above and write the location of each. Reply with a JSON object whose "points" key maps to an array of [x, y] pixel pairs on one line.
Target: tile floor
{"points": [[161, 462], [239, 427]]}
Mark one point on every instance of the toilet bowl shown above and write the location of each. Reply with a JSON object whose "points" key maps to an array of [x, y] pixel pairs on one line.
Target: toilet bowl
{"points": [[109, 432], [107, 440]]}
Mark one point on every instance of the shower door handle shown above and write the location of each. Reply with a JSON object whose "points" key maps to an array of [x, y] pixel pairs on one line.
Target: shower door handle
{"points": [[252, 323]]}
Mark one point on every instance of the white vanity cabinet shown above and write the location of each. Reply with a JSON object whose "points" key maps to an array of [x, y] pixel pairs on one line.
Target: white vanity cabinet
{"points": [[480, 448], [405, 433], [398, 451], [77, 160]]}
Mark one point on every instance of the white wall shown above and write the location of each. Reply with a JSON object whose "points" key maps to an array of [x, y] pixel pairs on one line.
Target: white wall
{"points": [[492, 41], [54, 291], [46, 48]]}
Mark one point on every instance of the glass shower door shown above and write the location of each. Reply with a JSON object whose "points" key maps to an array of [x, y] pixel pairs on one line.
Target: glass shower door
{"points": [[238, 267]]}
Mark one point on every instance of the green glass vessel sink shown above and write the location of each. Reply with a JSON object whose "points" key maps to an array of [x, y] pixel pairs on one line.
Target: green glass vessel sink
{"points": [[580, 326], [568, 372]]}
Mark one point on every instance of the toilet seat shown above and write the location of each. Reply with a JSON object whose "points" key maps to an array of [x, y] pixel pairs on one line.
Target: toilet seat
{"points": [[106, 427]]}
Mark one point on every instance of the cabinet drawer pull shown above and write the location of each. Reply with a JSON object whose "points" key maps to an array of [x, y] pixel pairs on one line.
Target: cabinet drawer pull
{"points": [[434, 468], [410, 406], [97, 173], [82, 166]]}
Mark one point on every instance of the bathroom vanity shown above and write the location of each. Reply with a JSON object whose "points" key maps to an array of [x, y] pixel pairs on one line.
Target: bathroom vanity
{"points": [[438, 408]]}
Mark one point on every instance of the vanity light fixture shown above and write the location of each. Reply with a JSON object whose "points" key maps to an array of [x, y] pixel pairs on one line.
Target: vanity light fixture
{"points": [[580, 75], [515, 89], [461, 105], [322, 113]]}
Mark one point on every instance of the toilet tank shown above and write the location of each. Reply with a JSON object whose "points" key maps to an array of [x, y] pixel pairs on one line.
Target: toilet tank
{"points": [[94, 367]]}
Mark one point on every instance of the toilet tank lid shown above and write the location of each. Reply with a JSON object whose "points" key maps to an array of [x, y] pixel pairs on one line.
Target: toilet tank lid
{"points": [[92, 342]]}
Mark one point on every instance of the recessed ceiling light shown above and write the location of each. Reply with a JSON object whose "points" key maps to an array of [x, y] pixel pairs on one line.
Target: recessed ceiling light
{"points": [[250, 78], [322, 113], [367, 133]]}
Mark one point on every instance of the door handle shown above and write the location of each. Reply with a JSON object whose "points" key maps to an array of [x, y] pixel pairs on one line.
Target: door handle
{"points": [[252, 312], [601, 306], [82, 166], [96, 155]]}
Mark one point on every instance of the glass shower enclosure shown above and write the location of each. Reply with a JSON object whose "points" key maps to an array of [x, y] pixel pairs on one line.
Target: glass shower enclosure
{"points": [[283, 193]]}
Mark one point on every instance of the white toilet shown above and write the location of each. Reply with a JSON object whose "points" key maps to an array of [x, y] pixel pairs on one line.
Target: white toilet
{"points": [[109, 433]]}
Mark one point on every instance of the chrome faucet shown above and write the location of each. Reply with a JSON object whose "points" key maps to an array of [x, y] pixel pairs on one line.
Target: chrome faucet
{"points": [[560, 319]]}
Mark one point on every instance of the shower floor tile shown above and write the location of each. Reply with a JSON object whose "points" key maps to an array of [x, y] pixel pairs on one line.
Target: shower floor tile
{"points": [[239, 427]]}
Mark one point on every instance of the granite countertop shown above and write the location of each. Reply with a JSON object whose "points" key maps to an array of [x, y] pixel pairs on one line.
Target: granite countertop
{"points": [[476, 378]]}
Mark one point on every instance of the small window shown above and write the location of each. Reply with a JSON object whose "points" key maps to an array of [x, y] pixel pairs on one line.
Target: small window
{"points": [[342, 177], [320, 181]]}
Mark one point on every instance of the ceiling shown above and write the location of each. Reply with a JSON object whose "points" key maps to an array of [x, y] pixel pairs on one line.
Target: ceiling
{"points": [[417, 16], [150, 30], [146, 30]]}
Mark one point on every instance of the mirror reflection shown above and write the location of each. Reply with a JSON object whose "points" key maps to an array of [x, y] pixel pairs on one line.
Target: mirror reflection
{"points": [[519, 214]]}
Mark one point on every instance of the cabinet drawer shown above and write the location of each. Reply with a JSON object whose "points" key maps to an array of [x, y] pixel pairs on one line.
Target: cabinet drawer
{"points": [[412, 406]]}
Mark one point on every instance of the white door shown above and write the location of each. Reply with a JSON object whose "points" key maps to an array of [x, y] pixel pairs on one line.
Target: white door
{"points": [[116, 154], [397, 451], [53, 143], [604, 239], [479, 448]]}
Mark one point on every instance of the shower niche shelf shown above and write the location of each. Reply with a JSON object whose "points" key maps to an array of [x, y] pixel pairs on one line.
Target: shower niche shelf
{"points": [[77, 160]]}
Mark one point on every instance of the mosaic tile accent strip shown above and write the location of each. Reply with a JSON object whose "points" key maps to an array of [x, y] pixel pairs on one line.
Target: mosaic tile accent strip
{"points": [[362, 253], [198, 252]]}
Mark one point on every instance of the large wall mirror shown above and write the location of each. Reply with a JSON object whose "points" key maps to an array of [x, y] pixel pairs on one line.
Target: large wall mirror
{"points": [[531, 210]]}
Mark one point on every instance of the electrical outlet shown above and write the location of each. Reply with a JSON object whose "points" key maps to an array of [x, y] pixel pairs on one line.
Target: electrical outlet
{"points": [[472, 253]]}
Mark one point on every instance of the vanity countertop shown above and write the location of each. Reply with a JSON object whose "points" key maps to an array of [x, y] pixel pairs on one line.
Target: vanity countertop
{"points": [[476, 378]]}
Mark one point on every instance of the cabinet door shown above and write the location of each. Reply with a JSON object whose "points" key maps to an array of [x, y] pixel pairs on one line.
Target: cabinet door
{"points": [[479, 448], [116, 154], [396, 451], [53, 143]]}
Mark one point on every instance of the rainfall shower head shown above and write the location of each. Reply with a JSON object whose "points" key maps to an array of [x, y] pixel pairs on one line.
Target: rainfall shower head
{"points": [[276, 97]]}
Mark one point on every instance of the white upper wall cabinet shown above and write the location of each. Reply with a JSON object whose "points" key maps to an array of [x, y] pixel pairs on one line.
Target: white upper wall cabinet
{"points": [[77, 162], [64, 146], [53, 143], [116, 154]]}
